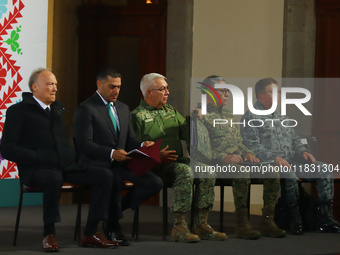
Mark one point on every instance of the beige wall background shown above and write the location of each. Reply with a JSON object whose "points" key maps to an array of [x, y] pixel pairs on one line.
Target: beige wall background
{"points": [[238, 39]]}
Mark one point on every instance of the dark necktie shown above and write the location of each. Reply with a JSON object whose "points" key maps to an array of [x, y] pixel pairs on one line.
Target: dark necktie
{"points": [[48, 111]]}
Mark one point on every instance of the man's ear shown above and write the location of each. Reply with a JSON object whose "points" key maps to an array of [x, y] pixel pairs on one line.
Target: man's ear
{"points": [[34, 87], [99, 84], [259, 96], [148, 92]]}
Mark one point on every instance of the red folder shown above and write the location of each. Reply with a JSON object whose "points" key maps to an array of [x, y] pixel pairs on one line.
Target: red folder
{"points": [[144, 158]]}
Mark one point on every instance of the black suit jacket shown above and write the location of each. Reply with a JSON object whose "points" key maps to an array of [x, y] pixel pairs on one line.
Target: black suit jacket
{"points": [[95, 134], [33, 140]]}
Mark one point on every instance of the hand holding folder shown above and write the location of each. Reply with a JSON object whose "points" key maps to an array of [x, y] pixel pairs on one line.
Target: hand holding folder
{"points": [[144, 158]]}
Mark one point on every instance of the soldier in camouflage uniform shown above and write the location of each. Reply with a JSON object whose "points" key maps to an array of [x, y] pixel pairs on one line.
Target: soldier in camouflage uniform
{"points": [[273, 141], [154, 119], [228, 148]]}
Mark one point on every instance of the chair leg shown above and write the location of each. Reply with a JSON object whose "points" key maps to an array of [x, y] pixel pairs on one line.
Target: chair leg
{"points": [[17, 222], [77, 230], [135, 229], [165, 212], [221, 206], [248, 202], [193, 205]]}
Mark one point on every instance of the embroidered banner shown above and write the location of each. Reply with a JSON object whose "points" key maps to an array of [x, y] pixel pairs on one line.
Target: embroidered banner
{"points": [[23, 44]]}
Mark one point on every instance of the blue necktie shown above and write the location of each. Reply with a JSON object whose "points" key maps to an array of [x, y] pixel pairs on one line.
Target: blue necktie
{"points": [[109, 106]]}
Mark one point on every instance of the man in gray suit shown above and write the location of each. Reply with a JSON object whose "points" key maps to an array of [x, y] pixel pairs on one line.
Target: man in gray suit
{"points": [[104, 135]]}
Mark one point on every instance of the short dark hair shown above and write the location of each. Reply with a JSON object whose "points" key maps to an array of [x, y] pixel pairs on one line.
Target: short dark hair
{"points": [[103, 73], [260, 86]]}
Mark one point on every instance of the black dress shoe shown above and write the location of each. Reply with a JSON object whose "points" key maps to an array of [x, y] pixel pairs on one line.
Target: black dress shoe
{"points": [[327, 223], [296, 228], [118, 237], [115, 235]]}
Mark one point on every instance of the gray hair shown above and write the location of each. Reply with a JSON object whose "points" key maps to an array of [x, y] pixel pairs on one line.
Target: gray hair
{"points": [[147, 81], [34, 76], [211, 80]]}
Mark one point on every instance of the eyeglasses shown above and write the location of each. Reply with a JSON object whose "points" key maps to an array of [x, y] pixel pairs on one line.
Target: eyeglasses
{"points": [[223, 91], [162, 89]]}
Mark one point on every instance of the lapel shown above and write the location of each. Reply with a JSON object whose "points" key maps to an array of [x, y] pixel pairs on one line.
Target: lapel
{"points": [[121, 116], [103, 110]]}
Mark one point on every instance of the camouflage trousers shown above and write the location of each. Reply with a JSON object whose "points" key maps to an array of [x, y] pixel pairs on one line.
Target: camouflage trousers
{"points": [[180, 177], [241, 186], [324, 181]]}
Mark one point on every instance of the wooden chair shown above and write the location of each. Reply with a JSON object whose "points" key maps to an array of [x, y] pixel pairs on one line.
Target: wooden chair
{"points": [[67, 187], [78, 189]]}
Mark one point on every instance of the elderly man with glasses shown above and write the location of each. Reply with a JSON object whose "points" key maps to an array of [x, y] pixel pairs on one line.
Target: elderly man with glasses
{"points": [[154, 119]]}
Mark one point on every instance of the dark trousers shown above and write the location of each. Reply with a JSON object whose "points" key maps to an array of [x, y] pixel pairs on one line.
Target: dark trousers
{"points": [[50, 181], [100, 181], [146, 186]]}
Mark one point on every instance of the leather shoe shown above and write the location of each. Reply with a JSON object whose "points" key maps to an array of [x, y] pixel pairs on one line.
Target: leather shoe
{"points": [[118, 237], [296, 229], [115, 235], [98, 241], [329, 227], [50, 243]]}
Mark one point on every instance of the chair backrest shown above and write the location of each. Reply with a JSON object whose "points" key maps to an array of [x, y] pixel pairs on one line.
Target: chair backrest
{"points": [[200, 148]]}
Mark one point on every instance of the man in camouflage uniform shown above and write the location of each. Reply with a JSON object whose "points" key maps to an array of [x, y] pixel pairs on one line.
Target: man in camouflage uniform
{"points": [[273, 141], [154, 119], [227, 148]]}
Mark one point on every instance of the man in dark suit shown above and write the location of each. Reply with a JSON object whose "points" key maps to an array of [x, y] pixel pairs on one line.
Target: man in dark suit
{"points": [[104, 136], [34, 137]]}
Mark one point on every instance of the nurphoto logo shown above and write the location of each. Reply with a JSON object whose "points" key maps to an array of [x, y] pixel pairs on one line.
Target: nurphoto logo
{"points": [[238, 99]]}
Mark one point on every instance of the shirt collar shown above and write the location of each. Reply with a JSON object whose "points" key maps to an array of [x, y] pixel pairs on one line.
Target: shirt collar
{"points": [[211, 108], [43, 105], [258, 105], [104, 101], [149, 107]]}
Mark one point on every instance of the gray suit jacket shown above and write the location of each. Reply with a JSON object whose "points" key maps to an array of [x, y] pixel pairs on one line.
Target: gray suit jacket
{"points": [[95, 134]]}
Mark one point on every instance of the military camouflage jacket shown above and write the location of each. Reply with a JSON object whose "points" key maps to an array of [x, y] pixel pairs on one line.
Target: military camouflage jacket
{"points": [[271, 139], [151, 124], [224, 139]]}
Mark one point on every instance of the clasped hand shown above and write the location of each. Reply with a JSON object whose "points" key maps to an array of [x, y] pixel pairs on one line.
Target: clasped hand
{"points": [[235, 159]]}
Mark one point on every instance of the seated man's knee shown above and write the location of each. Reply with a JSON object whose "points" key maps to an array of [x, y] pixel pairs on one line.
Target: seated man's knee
{"points": [[105, 173], [183, 171], [54, 179], [157, 183]]}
